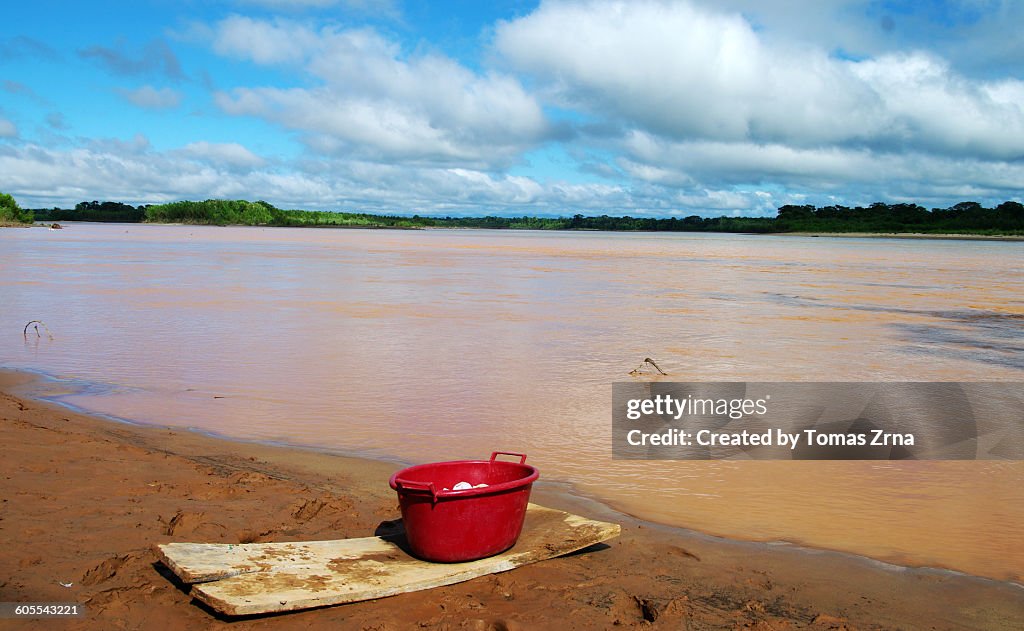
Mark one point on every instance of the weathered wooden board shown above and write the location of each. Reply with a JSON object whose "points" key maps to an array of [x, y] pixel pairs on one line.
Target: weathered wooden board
{"points": [[257, 578]]}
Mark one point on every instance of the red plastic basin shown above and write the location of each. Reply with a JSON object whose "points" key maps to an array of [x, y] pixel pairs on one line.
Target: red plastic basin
{"points": [[450, 526]]}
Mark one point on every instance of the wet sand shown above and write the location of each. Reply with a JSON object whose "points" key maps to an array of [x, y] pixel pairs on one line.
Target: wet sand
{"points": [[84, 500]]}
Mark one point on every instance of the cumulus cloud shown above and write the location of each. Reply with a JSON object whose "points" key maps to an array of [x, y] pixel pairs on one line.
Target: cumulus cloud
{"points": [[927, 106], [975, 36], [230, 154], [687, 72], [677, 69], [371, 101], [156, 58], [852, 174], [128, 170], [132, 171], [262, 41]]}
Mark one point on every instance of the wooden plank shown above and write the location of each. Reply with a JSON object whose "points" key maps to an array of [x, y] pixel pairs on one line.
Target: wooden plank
{"points": [[273, 577], [205, 562]]}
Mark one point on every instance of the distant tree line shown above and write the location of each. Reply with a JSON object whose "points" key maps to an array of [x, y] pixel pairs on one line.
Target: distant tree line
{"points": [[108, 212], [221, 212], [965, 217]]}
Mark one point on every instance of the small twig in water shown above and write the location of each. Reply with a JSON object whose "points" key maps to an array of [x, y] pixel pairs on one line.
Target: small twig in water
{"points": [[24, 331], [647, 360]]}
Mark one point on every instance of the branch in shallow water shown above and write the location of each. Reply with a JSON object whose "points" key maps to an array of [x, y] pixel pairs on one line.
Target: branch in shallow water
{"points": [[24, 331], [647, 360]]}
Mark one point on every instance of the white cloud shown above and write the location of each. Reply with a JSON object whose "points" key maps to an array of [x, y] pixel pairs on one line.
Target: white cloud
{"points": [[119, 170], [373, 102], [854, 174], [927, 106], [684, 71], [230, 154], [263, 42], [131, 171], [669, 179], [7, 129], [153, 98], [656, 159], [676, 68], [976, 36]]}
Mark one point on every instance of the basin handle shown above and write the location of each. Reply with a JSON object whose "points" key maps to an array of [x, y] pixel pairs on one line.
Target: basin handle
{"points": [[418, 486], [495, 454]]}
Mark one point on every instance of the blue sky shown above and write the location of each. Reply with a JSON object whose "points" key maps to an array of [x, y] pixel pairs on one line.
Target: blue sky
{"points": [[710, 107]]}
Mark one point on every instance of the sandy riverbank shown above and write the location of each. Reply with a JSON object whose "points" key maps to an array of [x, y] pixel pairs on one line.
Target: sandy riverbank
{"points": [[84, 499]]}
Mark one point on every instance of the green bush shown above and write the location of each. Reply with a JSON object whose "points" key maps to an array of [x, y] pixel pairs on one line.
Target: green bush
{"points": [[221, 212], [10, 212]]}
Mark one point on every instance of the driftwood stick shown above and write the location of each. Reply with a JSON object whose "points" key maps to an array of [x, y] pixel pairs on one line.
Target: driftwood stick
{"points": [[24, 332], [650, 361], [647, 360]]}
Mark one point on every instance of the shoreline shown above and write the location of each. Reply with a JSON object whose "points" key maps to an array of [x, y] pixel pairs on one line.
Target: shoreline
{"points": [[952, 236], [562, 492], [89, 496]]}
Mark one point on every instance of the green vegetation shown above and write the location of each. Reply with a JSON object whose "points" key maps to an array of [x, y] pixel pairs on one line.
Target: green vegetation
{"points": [[11, 213], [963, 218], [218, 212], [110, 212]]}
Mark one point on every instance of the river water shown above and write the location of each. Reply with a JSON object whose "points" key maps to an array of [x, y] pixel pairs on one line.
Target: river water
{"points": [[447, 344]]}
